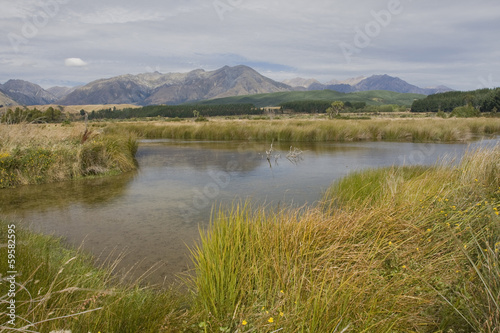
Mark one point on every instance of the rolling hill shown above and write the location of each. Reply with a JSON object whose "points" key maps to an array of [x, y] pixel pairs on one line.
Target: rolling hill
{"points": [[373, 97]]}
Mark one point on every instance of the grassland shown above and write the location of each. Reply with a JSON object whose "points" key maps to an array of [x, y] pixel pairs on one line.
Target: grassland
{"points": [[34, 154], [316, 130], [374, 97], [400, 249]]}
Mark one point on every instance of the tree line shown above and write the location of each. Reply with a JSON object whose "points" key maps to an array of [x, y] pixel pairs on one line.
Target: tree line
{"points": [[483, 100], [177, 111], [312, 106], [36, 116]]}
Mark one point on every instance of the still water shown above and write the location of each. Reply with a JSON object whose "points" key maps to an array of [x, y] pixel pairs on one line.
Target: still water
{"points": [[153, 215]]}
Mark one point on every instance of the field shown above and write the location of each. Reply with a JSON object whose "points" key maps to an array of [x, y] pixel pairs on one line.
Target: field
{"points": [[316, 130]]}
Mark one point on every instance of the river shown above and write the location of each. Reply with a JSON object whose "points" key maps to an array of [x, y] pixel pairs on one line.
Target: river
{"points": [[151, 217]]}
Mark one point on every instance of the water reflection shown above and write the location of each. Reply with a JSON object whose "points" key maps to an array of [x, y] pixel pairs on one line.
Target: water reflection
{"points": [[154, 214], [60, 195]]}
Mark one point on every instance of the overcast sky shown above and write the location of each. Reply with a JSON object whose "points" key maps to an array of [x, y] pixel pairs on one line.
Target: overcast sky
{"points": [[425, 42]]}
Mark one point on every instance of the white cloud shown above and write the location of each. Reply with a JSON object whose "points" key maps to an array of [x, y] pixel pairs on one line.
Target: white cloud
{"points": [[74, 62]]}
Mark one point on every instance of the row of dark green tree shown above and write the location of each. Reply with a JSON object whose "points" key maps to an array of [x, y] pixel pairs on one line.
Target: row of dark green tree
{"points": [[484, 100], [312, 106], [177, 111], [20, 115]]}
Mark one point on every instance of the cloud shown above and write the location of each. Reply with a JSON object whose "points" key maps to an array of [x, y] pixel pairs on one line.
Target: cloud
{"points": [[449, 41], [74, 62]]}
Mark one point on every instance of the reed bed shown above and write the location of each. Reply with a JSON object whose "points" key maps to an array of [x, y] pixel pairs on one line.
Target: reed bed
{"points": [[414, 250], [413, 130], [34, 154]]}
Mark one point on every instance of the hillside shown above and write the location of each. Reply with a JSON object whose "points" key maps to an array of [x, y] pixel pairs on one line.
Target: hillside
{"points": [[374, 97], [26, 93], [6, 100]]}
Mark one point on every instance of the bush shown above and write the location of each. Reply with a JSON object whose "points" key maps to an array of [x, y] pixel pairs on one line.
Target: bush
{"points": [[465, 112]]}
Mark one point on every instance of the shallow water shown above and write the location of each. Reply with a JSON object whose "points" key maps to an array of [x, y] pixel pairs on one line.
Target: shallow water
{"points": [[153, 215]]}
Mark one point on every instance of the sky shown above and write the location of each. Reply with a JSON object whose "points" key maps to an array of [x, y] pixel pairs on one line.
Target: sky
{"points": [[424, 42]]}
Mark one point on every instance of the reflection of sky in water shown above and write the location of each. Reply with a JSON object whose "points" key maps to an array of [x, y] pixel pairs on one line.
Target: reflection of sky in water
{"points": [[154, 213]]}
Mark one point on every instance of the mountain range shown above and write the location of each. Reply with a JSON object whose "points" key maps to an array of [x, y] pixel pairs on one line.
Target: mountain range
{"points": [[196, 85]]}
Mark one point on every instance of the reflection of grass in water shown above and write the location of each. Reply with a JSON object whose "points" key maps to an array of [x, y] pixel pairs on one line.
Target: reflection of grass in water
{"points": [[418, 252], [59, 289], [292, 130], [47, 196], [36, 154]]}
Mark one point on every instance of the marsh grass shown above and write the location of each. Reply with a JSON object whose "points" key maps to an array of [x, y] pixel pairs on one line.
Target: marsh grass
{"points": [[415, 250], [61, 289], [316, 130], [34, 154]]}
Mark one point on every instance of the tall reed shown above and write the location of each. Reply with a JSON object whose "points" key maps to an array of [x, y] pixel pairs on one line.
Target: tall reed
{"points": [[396, 249], [34, 154], [413, 130]]}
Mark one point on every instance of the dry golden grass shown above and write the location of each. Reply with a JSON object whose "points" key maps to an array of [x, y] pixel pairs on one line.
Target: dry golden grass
{"points": [[34, 154], [413, 130], [24, 135]]}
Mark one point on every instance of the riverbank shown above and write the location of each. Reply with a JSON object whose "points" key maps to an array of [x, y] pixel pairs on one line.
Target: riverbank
{"points": [[315, 130], [36, 154], [45, 153], [393, 249]]}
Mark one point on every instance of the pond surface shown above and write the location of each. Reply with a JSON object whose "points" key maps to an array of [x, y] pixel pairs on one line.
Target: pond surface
{"points": [[150, 217]]}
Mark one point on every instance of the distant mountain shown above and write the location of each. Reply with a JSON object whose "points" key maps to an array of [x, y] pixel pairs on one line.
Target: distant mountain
{"points": [[300, 82], [174, 88], [386, 82], [353, 81], [27, 93], [6, 100], [60, 92], [375, 82], [178, 88]]}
